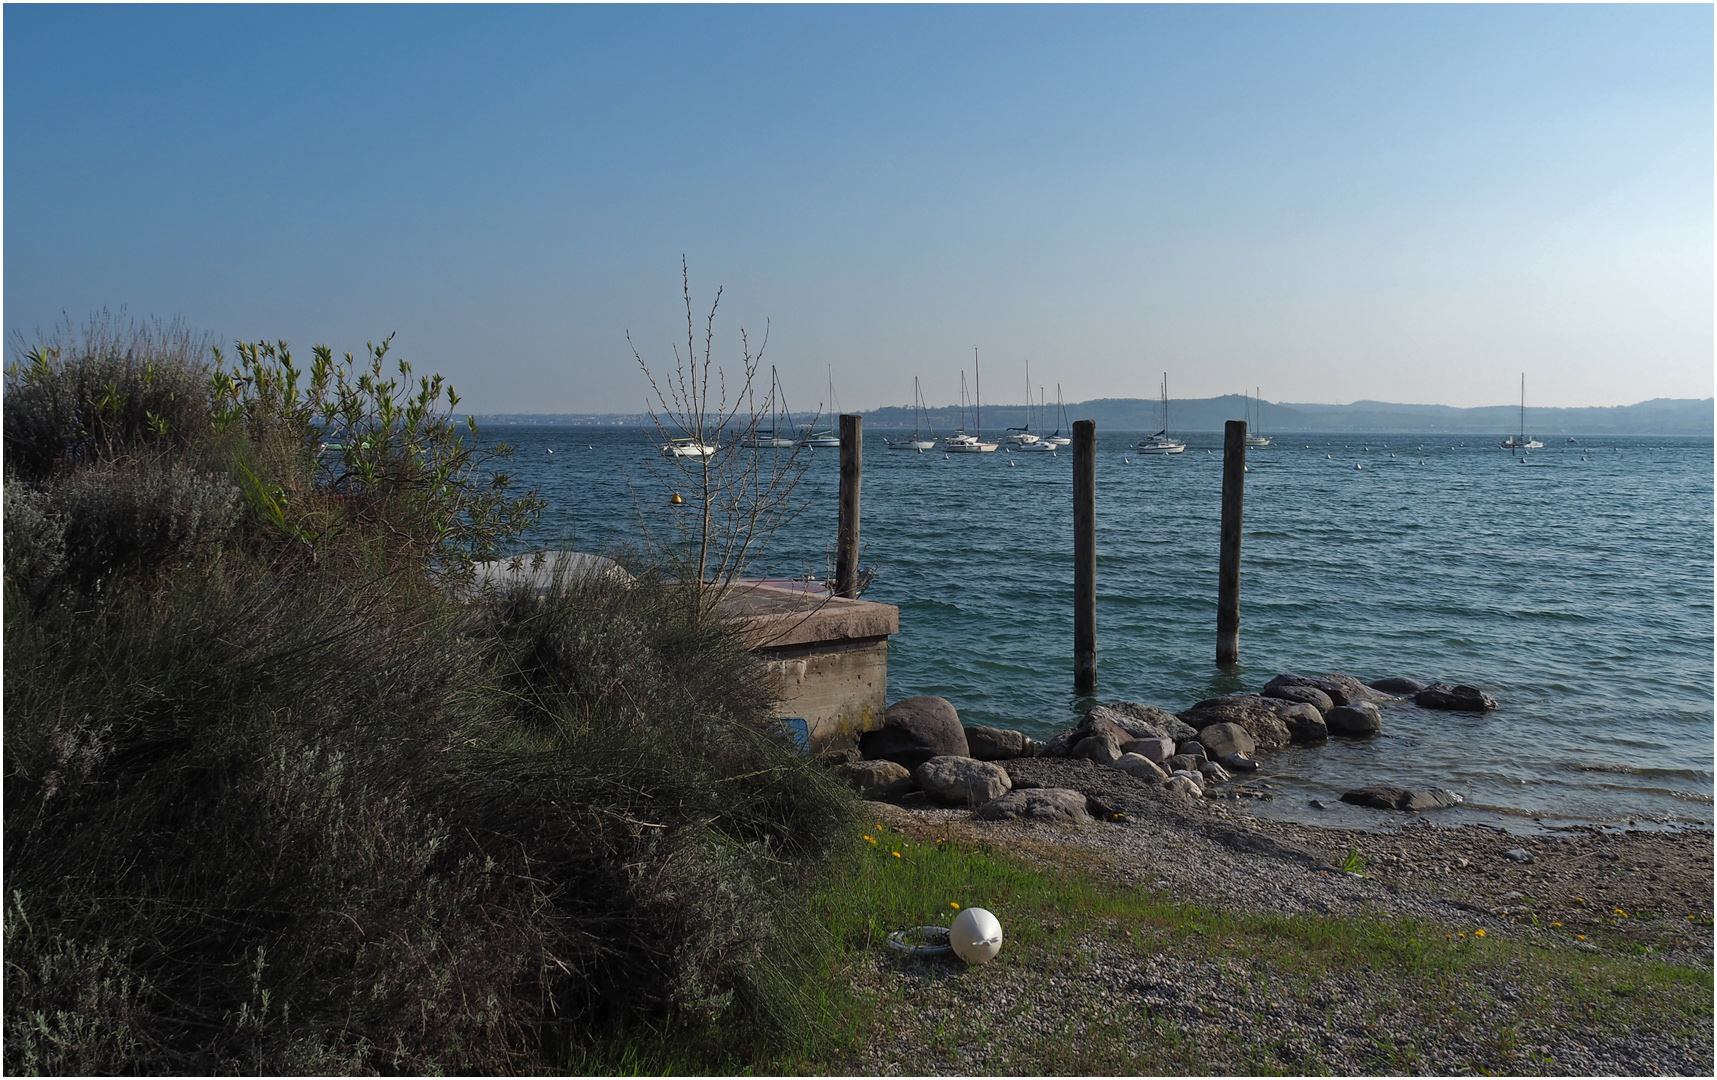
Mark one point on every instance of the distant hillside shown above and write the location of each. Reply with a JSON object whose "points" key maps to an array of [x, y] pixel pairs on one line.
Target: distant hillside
{"points": [[1660, 416]]}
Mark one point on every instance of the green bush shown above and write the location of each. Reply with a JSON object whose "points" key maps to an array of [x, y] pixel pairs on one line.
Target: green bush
{"points": [[282, 801]]}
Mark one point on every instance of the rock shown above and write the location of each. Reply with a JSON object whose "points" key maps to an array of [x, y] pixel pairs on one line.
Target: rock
{"points": [[1239, 763], [1398, 686], [1103, 748], [1249, 711], [839, 757], [1341, 689], [1389, 797], [1317, 805], [962, 781], [1139, 721], [1140, 766], [1036, 804], [914, 730], [1223, 739], [1461, 698], [1193, 775], [1182, 763], [914, 800], [1158, 750], [1305, 695], [1358, 719], [876, 779], [995, 744], [1193, 748], [1304, 722], [1060, 745], [1520, 855], [1183, 785], [1214, 773]]}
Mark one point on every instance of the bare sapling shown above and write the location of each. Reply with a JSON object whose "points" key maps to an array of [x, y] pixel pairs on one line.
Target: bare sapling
{"points": [[735, 489]]}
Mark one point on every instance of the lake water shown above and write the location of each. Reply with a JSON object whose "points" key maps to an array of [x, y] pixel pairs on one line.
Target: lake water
{"points": [[1575, 588]]}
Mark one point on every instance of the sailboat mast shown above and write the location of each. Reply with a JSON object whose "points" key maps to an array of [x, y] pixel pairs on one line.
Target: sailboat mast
{"points": [[978, 394]]}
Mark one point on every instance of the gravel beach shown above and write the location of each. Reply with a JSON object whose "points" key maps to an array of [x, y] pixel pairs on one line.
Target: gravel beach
{"points": [[1585, 890]]}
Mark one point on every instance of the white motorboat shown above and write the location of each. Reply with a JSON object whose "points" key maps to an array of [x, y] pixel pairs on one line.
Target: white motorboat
{"points": [[1162, 442], [776, 435], [1521, 441], [1042, 446], [918, 440], [687, 447], [1253, 436], [963, 443]]}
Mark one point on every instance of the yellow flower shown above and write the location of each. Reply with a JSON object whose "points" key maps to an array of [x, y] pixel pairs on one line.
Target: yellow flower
{"points": [[953, 905], [1463, 933], [1478, 933], [1579, 899], [1622, 913], [897, 854], [1555, 924], [1582, 937]]}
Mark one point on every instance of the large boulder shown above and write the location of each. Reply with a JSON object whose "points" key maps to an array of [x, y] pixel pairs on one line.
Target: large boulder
{"points": [[1389, 797], [1305, 695], [962, 781], [1099, 746], [1139, 721], [1142, 767], [1247, 710], [880, 780], [1183, 763], [1341, 689], [1223, 739], [995, 744], [1036, 804], [1461, 698], [1305, 722], [1157, 750], [1361, 718], [1396, 685], [914, 730]]}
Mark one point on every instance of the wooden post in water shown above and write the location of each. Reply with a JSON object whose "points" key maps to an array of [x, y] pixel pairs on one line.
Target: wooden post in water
{"points": [[1085, 557], [1228, 562], [847, 536]]}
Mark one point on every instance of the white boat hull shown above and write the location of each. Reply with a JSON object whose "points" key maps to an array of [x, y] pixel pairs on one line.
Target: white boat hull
{"points": [[1162, 448], [912, 444], [688, 450], [970, 448]]}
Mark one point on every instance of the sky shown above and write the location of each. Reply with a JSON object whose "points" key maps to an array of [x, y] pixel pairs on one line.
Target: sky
{"points": [[1409, 204]]}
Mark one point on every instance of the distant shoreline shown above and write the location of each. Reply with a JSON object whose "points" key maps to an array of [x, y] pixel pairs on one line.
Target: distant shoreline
{"points": [[1658, 417]]}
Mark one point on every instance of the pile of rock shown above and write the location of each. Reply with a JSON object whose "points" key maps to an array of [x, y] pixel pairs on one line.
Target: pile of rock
{"points": [[923, 755]]}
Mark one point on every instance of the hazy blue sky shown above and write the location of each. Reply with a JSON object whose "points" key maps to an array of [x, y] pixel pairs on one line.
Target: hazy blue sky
{"points": [[1410, 204]]}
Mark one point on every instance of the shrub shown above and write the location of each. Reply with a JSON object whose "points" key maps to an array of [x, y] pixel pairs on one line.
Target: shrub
{"points": [[35, 540], [111, 390], [123, 516]]}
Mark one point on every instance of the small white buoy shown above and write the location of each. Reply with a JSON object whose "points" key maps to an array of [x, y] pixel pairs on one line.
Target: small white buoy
{"points": [[1357, 465], [551, 451], [944, 457], [590, 447], [1010, 463], [976, 936], [920, 449], [1391, 455], [1126, 461], [1329, 457]]}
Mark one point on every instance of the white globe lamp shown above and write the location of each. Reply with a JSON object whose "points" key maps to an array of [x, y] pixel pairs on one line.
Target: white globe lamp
{"points": [[976, 936]]}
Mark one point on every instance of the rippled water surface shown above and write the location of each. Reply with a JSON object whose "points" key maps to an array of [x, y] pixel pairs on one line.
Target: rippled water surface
{"points": [[1575, 588]]}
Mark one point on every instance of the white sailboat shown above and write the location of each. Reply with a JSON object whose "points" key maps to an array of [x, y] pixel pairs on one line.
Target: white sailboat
{"points": [[1162, 442], [1061, 423], [1044, 445], [777, 434], [825, 439], [964, 443], [1253, 438], [1022, 436], [918, 440], [1520, 441]]}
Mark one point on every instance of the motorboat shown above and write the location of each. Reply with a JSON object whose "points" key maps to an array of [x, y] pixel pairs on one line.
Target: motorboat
{"points": [[1521, 441], [1162, 442], [918, 440], [687, 447]]}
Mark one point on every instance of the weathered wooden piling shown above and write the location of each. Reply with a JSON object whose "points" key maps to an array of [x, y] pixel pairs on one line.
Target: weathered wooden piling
{"points": [[1085, 557], [847, 535], [1228, 562]]}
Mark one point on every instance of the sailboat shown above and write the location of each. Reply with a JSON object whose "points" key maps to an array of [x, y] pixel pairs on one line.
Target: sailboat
{"points": [[1056, 436], [1252, 438], [964, 443], [825, 439], [1043, 445], [1162, 442], [1022, 436], [1520, 441], [920, 424], [775, 435]]}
